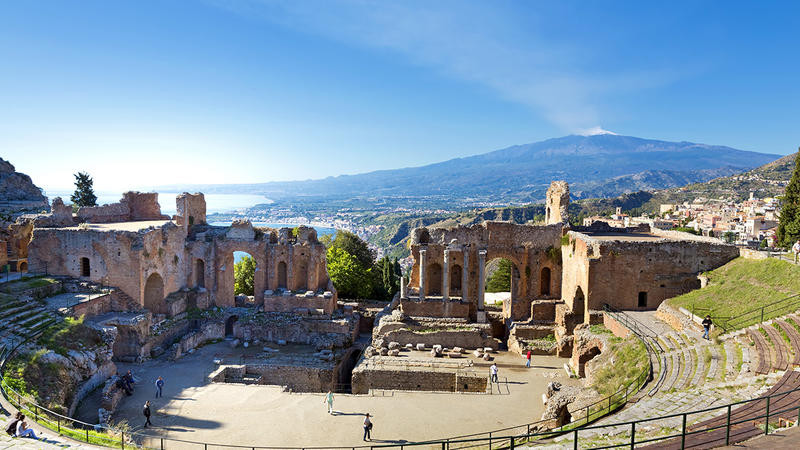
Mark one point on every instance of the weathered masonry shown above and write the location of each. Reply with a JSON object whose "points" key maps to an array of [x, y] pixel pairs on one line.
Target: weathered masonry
{"points": [[131, 246]]}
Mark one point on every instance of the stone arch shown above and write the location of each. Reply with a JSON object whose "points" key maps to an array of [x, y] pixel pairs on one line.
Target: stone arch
{"points": [[282, 282], [229, 322], [154, 293], [544, 282], [300, 277], [434, 274], [86, 267], [579, 305], [23, 266], [456, 273], [424, 236], [199, 273]]}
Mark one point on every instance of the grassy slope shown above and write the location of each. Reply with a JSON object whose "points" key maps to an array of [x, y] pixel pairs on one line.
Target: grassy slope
{"points": [[742, 285]]}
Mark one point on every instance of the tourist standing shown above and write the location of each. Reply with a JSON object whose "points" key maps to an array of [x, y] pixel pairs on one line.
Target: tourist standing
{"points": [[493, 372], [707, 326], [329, 400], [367, 428], [159, 387], [796, 250], [528, 360], [23, 430], [146, 412]]}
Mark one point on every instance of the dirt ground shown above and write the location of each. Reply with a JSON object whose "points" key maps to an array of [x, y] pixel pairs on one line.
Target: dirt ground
{"points": [[248, 415]]}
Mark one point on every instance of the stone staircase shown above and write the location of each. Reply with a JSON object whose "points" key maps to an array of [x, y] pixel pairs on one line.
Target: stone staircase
{"points": [[22, 319]]}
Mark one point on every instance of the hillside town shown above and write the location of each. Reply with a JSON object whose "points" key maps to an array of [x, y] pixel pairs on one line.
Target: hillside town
{"points": [[751, 223]]}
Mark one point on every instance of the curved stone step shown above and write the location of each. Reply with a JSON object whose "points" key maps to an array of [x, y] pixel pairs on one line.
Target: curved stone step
{"points": [[780, 349], [700, 366], [731, 359], [672, 372], [714, 364], [686, 373]]}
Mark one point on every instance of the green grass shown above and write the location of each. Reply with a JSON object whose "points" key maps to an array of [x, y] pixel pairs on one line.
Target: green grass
{"points": [[783, 334], [630, 361], [766, 336], [793, 323], [707, 360], [16, 287], [70, 334], [741, 286], [739, 358]]}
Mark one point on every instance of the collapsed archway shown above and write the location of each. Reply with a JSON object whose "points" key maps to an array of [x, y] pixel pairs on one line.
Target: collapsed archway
{"points": [[229, 326], [282, 279], [154, 294]]}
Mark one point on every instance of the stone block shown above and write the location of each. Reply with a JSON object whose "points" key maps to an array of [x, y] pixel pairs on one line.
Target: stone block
{"points": [[477, 353], [435, 354], [487, 357], [309, 294], [234, 343], [384, 351], [437, 348], [409, 347], [394, 345], [268, 293], [327, 294], [458, 350], [487, 350], [395, 352], [421, 347]]}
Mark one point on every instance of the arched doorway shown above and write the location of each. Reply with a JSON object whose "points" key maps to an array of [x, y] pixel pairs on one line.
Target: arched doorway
{"points": [[154, 293], [229, 326], [499, 273], [199, 273], [282, 284], [434, 279], [301, 276], [579, 305], [455, 279], [244, 274], [544, 282], [23, 266], [86, 269]]}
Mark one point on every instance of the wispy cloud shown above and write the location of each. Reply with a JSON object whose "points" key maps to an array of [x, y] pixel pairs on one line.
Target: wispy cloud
{"points": [[480, 42]]}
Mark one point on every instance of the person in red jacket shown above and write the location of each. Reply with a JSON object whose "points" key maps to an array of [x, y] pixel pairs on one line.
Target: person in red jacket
{"points": [[528, 360]]}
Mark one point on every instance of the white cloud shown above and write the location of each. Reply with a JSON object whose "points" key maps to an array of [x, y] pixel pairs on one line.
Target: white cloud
{"points": [[479, 42]]}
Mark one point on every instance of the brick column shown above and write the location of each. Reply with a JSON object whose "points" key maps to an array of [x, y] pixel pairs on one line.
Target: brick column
{"points": [[465, 276], [422, 266], [481, 280], [446, 276]]}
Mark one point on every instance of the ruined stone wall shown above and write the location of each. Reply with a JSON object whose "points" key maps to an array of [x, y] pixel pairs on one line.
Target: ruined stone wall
{"points": [[575, 274], [530, 248], [415, 379], [469, 339], [617, 271], [191, 209], [300, 303], [296, 378], [557, 203], [132, 207], [435, 308]]}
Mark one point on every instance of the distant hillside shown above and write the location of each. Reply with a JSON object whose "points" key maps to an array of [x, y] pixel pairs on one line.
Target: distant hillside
{"points": [[768, 180], [599, 165]]}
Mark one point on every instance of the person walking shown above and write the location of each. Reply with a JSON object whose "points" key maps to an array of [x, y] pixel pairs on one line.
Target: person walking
{"points": [[367, 428], [796, 250], [528, 360], [23, 430], [707, 326], [493, 372], [146, 412], [329, 400], [159, 387]]}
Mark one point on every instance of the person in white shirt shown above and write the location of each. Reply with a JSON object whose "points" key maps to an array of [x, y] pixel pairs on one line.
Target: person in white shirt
{"points": [[796, 250], [493, 372], [23, 430]]}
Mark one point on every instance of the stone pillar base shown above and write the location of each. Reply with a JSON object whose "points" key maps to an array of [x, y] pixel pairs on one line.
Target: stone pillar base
{"points": [[482, 317]]}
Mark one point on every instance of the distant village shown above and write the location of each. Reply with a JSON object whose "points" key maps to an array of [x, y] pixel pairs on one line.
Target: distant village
{"points": [[751, 223]]}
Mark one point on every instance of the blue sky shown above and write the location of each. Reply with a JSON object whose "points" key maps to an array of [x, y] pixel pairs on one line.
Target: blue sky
{"points": [[145, 93]]}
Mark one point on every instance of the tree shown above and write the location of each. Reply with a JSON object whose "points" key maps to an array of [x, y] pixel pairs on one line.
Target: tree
{"points": [[355, 246], [789, 223], [347, 274], [500, 279], [84, 190], [244, 274]]}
